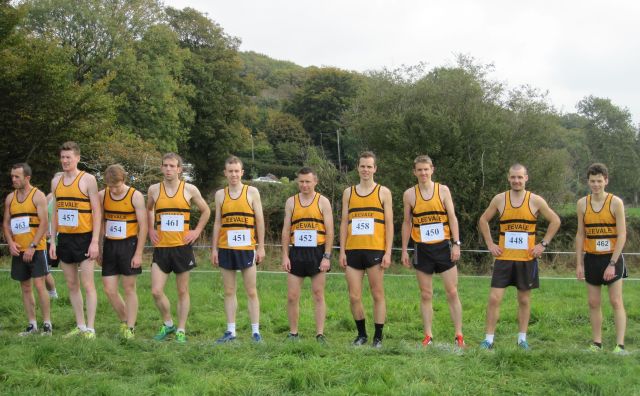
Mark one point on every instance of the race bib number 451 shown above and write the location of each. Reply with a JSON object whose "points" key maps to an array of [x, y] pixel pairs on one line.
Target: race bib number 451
{"points": [[68, 217], [172, 223], [516, 240], [362, 226], [238, 238]]}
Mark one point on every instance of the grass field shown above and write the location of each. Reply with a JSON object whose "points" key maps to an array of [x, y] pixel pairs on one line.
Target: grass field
{"points": [[557, 364]]}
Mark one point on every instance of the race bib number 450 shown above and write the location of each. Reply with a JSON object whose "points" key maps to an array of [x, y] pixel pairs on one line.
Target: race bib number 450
{"points": [[20, 225], [362, 226], [516, 240], [172, 223], [432, 232], [68, 217]]}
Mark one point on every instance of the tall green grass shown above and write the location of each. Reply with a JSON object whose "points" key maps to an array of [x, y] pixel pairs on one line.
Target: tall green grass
{"points": [[558, 363]]}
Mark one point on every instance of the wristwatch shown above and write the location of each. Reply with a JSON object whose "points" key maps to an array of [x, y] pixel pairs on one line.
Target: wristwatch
{"points": [[457, 243], [544, 244], [326, 256], [33, 245], [612, 263]]}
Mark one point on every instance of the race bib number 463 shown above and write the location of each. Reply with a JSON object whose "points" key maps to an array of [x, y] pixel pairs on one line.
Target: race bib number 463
{"points": [[516, 240], [20, 225], [172, 223], [432, 232], [362, 226], [68, 217], [305, 238]]}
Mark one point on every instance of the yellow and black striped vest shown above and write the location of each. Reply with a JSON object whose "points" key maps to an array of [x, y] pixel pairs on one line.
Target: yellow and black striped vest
{"points": [[366, 221], [172, 216], [427, 215], [73, 208], [517, 230], [25, 221], [238, 222], [600, 232], [306, 218], [120, 216]]}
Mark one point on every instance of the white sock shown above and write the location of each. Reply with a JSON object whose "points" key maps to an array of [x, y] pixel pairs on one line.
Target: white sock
{"points": [[489, 338], [53, 292], [522, 337], [179, 330], [82, 327], [48, 322], [168, 323], [90, 330], [255, 328], [34, 324], [231, 328]]}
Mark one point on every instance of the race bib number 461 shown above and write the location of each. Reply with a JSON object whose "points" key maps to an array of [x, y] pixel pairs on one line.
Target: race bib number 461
{"points": [[362, 226], [20, 225], [68, 217], [172, 223], [516, 240]]}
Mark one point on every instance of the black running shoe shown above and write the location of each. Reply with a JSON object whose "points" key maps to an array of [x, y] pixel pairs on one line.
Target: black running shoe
{"points": [[46, 330], [360, 340], [377, 342]]}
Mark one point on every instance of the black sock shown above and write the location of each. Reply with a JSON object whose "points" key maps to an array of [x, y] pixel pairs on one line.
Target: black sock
{"points": [[378, 333], [362, 330], [598, 344], [293, 334], [621, 346]]}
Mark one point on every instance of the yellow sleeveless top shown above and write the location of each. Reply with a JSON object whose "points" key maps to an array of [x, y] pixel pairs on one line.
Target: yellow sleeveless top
{"points": [[172, 215], [305, 220], [119, 215], [25, 221], [74, 208], [600, 228], [238, 226], [366, 221], [517, 230], [430, 219]]}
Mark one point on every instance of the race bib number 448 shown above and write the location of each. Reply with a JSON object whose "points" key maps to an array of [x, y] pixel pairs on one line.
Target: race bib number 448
{"points": [[516, 240]]}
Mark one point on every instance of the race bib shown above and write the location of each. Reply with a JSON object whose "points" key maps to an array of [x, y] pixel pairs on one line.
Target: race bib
{"points": [[20, 225], [238, 238], [432, 232], [305, 238], [603, 245], [68, 217], [116, 229], [516, 240], [362, 226], [172, 223]]}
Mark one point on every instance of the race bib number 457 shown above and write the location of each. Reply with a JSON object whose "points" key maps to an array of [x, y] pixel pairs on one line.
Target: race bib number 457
{"points": [[68, 217]]}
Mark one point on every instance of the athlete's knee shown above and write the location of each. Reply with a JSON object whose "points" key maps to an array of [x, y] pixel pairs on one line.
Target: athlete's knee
{"points": [[157, 292], [355, 298], [452, 294], [318, 296], [616, 303], [524, 301], [594, 303], [252, 293], [494, 300], [378, 295], [26, 287], [426, 295]]}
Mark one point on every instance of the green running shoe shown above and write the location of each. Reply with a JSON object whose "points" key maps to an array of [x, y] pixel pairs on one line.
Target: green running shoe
{"points": [[164, 332], [594, 348], [619, 351], [181, 337]]}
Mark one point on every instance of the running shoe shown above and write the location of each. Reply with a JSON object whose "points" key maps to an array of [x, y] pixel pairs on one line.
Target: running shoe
{"points": [[321, 339], [377, 342], [427, 341], [30, 330], [256, 337], [594, 348], [293, 337], [524, 345], [226, 337], [486, 345], [53, 295], [123, 329], [128, 334], [459, 341], [89, 335], [619, 351], [73, 333], [181, 337], [164, 332], [46, 330], [360, 340]]}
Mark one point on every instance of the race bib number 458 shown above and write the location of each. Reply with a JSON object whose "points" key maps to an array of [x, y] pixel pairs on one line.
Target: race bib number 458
{"points": [[362, 226]]}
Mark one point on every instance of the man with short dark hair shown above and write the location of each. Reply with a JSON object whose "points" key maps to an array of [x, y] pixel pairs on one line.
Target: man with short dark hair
{"points": [[24, 225], [600, 239], [308, 228], [516, 252]]}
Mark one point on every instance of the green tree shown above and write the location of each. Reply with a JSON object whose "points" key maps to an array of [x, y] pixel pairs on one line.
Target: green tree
{"points": [[288, 137]]}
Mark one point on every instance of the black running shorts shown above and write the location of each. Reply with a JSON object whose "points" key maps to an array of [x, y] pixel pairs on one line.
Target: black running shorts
{"points": [[362, 259], [305, 261], [73, 248], [596, 264], [176, 259], [22, 271], [521, 274], [430, 258], [117, 255]]}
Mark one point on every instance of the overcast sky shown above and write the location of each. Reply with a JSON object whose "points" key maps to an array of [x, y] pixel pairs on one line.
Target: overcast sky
{"points": [[571, 48]]}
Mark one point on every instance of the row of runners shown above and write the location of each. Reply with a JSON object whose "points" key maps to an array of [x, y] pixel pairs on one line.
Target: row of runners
{"points": [[118, 214]]}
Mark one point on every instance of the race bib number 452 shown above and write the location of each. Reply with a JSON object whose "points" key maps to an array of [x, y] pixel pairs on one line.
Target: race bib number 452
{"points": [[516, 240], [362, 226], [305, 238]]}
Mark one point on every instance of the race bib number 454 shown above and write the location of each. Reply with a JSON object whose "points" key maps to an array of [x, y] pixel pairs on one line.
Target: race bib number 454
{"points": [[516, 240], [362, 226], [116, 229]]}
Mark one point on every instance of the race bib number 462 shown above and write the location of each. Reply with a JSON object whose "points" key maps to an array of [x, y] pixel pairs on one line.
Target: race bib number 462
{"points": [[603, 245], [68, 217], [20, 225], [172, 223], [362, 226], [516, 240]]}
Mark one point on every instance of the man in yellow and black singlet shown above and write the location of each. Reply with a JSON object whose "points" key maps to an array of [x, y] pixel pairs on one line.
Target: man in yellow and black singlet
{"points": [[430, 221], [516, 252], [308, 227], [125, 233], [238, 245], [366, 238], [77, 221], [169, 208], [600, 239], [24, 225]]}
